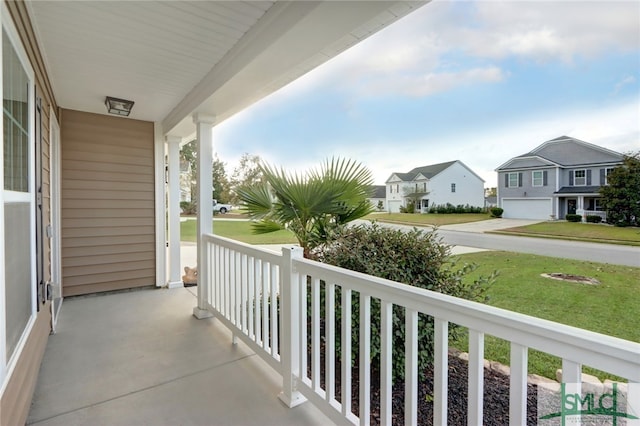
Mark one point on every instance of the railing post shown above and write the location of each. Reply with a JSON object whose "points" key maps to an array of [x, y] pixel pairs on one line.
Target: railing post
{"points": [[290, 328]]}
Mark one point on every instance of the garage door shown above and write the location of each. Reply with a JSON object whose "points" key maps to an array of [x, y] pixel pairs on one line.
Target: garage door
{"points": [[527, 209], [394, 206]]}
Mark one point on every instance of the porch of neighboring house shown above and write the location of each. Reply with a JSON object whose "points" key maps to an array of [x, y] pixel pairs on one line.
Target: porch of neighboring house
{"points": [[141, 357]]}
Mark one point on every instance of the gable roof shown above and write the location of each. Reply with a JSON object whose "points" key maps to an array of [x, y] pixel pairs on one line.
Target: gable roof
{"points": [[378, 191], [563, 151], [426, 171]]}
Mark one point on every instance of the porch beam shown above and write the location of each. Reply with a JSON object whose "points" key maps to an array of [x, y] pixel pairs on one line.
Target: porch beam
{"points": [[173, 210], [204, 137]]}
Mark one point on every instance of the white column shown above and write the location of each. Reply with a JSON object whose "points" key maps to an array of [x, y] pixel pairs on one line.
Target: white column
{"points": [[204, 130], [160, 205], [173, 209]]}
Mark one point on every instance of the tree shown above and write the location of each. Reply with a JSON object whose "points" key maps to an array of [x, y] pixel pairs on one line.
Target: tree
{"points": [[311, 206], [220, 181], [221, 185], [248, 173], [189, 162], [621, 196]]}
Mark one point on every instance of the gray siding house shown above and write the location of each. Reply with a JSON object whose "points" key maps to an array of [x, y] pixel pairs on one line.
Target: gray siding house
{"points": [[562, 176]]}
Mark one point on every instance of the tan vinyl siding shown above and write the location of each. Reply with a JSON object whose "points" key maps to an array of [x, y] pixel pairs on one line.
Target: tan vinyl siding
{"points": [[108, 210]]}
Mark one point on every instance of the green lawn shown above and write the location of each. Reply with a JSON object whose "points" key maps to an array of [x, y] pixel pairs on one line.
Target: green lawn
{"points": [[238, 230], [427, 219], [579, 231], [609, 308]]}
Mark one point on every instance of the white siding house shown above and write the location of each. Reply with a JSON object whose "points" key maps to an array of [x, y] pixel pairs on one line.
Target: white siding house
{"points": [[437, 184]]}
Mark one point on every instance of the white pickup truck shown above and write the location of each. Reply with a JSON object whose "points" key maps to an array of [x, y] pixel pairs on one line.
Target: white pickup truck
{"points": [[220, 207]]}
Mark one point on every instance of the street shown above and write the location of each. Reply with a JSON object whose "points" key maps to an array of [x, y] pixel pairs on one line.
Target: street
{"points": [[594, 252]]}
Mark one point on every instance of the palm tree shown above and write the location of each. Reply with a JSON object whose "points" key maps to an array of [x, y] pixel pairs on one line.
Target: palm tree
{"points": [[310, 205]]}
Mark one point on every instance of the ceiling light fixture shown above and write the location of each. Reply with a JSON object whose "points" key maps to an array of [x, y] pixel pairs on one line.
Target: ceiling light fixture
{"points": [[117, 106]]}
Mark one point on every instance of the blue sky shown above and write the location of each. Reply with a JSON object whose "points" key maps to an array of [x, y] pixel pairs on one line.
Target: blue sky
{"points": [[476, 81]]}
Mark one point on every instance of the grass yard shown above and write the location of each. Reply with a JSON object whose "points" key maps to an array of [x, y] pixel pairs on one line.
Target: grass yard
{"points": [[579, 231], [238, 230], [427, 219], [609, 308]]}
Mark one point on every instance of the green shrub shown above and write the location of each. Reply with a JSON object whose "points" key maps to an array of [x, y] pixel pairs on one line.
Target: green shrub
{"points": [[417, 258], [410, 208], [188, 207], [573, 218], [496, 211], [592, 218]]}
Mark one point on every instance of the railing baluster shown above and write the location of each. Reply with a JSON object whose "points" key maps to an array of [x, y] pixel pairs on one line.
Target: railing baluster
{"points": [[266, 337], [251, 264], [258, 301], [237, 283], [411, 368], [315, 334], [572, 382], [386, 361], [476, 377], [330, 339], [304, 315], [244, 286], [345, 345], [440, 371], [364, 386], [226, 283], [518, 385], [274, 310]]}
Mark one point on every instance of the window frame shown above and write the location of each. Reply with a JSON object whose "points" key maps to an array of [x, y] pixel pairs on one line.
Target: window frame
{"points": [[8, 361], [607, 171], [453, 187], [539, 179], [509, 179], [575, 178]]}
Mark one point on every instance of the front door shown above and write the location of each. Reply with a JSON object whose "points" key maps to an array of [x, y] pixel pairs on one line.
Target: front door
{"points": [[571, 205]]}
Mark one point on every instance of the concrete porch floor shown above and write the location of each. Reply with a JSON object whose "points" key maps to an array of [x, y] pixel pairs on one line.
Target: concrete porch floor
{"points": [[140, 357]]}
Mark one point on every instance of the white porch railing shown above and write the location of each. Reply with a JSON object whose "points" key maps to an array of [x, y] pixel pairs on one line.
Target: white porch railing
{"points": [[602, 214], [245, 281]]}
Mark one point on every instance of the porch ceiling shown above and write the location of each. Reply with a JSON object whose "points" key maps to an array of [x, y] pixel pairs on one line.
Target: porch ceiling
{"points": [[181, 57]]}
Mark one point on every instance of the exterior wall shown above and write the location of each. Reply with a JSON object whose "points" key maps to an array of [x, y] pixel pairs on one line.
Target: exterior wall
{"points": [[108, 196], [596, 180], [469, 188], [18, 386]]}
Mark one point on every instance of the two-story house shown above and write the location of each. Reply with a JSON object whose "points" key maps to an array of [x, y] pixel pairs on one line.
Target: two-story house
{"points": [[562, 176], [451, 182]]}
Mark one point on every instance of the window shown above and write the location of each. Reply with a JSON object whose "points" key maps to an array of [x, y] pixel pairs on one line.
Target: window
{"points": [[579, 177], [539, 178], [424, 186], [390, 189], [15, 102], [17, 199], [597, 205], [513, 180], [453, 187], [607, 172]]}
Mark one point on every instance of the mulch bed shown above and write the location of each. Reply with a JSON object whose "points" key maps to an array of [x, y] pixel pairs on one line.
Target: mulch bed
{"points": [[496, 397]]}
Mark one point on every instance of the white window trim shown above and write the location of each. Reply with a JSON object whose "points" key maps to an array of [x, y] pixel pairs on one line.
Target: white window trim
{"points": [[509, 179], [607, 170], [575, 178], [8, 365], [533, 178]]}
